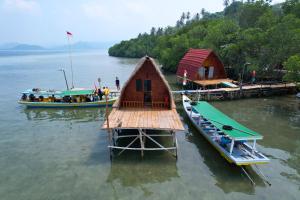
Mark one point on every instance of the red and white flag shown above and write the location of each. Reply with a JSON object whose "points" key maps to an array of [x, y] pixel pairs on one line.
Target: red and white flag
{"points": [[69, 33]]}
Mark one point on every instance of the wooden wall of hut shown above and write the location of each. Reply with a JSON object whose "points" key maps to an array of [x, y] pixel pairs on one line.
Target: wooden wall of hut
{"points": [[159, 91], [219, 71]]}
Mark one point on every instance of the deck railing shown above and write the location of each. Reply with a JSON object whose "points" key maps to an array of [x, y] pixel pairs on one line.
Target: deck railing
{"points": [[140, 104]]}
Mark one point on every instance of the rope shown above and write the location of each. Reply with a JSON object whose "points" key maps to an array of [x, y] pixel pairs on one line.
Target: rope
{"points": [[233, 127]]}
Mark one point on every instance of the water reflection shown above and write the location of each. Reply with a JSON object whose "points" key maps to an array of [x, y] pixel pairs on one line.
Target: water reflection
{"points": [[76, 115]]}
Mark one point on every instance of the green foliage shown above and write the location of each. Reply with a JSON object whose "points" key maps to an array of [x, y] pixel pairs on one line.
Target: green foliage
{"points": [[292, 65], [255, 32], [292, 7]]}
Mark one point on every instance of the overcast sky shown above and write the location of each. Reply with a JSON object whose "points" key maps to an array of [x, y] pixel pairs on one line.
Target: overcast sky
{"points": [[44, 22]]}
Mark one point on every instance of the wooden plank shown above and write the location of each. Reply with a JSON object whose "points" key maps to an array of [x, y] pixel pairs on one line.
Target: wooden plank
{"points": [[145, 118]]}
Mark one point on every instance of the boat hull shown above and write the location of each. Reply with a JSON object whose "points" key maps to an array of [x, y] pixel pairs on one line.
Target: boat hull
{"points": [[222, 151], [67, 105]]}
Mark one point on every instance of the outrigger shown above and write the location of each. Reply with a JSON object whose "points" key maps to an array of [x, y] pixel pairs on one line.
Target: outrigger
{"points": [[228, 136]]}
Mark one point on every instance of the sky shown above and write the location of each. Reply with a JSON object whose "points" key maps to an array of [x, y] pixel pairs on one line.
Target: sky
{"points": [[44, 22]]}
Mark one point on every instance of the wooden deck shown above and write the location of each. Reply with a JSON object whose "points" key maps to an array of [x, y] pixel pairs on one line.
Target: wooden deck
{"points": [[144, 118]]}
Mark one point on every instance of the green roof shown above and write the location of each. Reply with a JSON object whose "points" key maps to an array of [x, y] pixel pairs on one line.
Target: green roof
{"points": [[217, 118], [77, 92]]}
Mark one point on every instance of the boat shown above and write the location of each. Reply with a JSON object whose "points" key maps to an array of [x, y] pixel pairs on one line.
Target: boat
{"points": [[228, 136], [74, 98]]}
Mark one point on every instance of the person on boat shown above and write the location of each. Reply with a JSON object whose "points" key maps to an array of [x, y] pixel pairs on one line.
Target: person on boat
{"points": [[67, 99], [31, 97], [100, 93], [117, 83], [24, 97], [87, 99], [41, 98], [106, 92], [53, 98]]}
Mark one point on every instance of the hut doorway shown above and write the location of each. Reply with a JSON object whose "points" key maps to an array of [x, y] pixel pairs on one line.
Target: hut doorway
{"points": [[147, 93]]}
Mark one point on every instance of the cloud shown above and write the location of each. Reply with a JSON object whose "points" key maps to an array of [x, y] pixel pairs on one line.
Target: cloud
{"points": [[26, 6], [112, 10], [95, 9]]}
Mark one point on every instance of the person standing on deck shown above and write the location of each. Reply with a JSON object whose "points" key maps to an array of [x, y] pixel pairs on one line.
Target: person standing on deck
{"points": [[253, 74], [117, 83], [184, 79], [100, 93]]}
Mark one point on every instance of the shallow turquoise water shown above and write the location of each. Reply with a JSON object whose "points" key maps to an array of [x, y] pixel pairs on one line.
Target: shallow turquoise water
{"points": [[62, 154]]}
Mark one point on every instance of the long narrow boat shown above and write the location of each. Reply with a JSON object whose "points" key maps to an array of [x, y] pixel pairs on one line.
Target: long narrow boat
{"points": [[74, 98], [229, 137]]}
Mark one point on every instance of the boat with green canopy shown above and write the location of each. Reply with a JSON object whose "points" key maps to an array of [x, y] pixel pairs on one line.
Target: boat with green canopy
{"points": [[235, 142], [74, 98]]}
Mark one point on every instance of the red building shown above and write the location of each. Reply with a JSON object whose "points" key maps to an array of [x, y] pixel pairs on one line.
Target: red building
{"points": [[202, 66]]}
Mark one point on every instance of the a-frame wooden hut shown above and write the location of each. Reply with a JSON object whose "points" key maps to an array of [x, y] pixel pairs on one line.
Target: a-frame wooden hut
{"points": [[203, 67], [145, 103]]}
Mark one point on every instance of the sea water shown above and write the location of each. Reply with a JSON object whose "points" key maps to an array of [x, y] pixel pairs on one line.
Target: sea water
{"points": [[62, 154]]}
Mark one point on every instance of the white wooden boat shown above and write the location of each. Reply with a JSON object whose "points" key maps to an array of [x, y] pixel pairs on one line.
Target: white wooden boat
{"points": [[229, 137]]}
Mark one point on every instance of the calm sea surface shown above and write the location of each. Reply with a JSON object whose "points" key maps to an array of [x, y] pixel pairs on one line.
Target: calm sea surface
{"points": [[62, 154]]}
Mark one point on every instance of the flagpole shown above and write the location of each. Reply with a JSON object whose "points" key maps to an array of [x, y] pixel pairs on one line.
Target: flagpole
{"points": [[71, 63]]}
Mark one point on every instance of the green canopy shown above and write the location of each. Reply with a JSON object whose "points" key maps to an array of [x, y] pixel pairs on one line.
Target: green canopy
{"points": [[219, 119], [77, 92]]}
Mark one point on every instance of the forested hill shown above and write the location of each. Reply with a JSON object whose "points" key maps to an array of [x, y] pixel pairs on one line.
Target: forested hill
{"points": [[255, 32]]}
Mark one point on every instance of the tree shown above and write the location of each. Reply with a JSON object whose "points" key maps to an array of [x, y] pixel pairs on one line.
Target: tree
{"points": [[292, 65], [153, 31], [197, 17], [226, 3], [188, 16], [291, 7], [255, 32], [250, 13]]}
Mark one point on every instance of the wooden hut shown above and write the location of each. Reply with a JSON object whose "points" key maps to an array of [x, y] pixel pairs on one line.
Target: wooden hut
{"points": [[145, 103], [203, 67]]}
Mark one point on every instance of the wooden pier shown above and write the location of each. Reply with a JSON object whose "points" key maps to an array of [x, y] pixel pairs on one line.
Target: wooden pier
{"points": [[246, 91]]}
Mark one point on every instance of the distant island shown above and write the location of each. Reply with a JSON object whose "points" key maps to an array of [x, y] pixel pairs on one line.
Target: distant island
{"points": [[27, 47], [76, 46], [256, 32]]}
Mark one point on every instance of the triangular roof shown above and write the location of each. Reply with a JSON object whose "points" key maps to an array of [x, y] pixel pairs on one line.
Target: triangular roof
{"points": [[195, 57], [137, 68], [193, 60]]}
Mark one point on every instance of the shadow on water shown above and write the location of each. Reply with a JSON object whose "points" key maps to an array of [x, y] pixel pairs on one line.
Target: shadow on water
{"points": [[228, 177], [77, 115]]}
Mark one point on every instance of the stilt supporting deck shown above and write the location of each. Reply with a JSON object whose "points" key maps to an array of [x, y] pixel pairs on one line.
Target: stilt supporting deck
{"points": [[141, 136]]}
